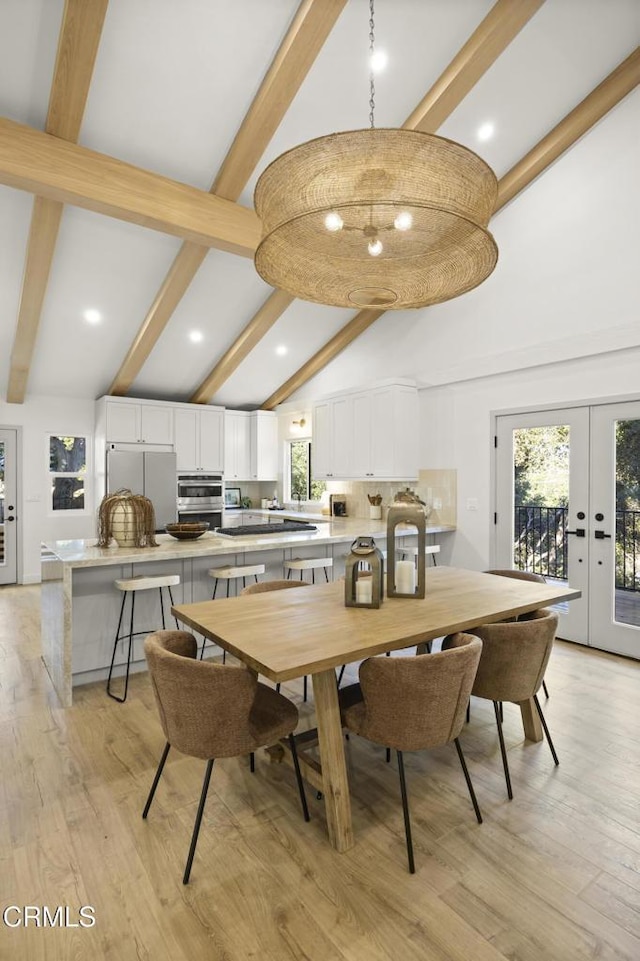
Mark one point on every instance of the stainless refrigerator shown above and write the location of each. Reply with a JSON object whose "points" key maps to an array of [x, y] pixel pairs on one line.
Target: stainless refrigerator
{"points": [[145, 471]]}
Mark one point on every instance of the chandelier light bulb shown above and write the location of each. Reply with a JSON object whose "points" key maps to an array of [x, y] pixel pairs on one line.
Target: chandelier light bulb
{"points": [[403, 221], [333, 221], [375, 247]]}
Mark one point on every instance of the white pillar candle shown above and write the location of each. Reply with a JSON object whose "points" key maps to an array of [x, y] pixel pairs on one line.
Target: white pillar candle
{"points": [[364, 590], [405, 577]]}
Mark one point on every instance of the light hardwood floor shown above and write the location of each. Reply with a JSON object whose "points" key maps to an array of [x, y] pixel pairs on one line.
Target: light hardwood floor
{"points": [[551, 876]]}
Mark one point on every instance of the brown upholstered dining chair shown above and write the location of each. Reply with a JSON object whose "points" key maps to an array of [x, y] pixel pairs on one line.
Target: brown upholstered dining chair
{"points": [[413, 703], [524, 576], [512, 665], [210, 711]]}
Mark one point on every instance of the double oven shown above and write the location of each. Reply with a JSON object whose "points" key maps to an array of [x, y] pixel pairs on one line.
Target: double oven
{"points": [[201, 498]]}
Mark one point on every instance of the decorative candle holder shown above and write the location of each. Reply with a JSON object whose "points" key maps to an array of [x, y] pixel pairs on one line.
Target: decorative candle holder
{"points": [[402, 578], [364, 586]]}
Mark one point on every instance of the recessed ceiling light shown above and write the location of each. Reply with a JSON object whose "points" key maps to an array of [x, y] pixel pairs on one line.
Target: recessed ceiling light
{"points": [[378, 61], [92, 316], [486, 131], [281, 350], [196, 336]]}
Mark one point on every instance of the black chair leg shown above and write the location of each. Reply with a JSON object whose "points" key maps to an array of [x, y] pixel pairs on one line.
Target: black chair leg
{"points": [[341, 674], [503, 751], [544, 688], [468, 712], [196, 826], [304, 688], [388, 755], [467, 778], [252, 763], [546, 730], [405, 811], [296, 765], [156, 779]]}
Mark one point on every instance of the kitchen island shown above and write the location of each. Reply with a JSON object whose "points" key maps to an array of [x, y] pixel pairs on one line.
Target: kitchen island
{"points": [[80, 604]]}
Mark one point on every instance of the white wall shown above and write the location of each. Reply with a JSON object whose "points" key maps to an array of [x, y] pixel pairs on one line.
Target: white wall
{"points": [[457, 429], [37, 418]]}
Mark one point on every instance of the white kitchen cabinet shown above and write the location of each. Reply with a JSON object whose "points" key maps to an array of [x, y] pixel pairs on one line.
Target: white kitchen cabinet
{"points": [[367, 435], [132, 423], [263, 443], [237, 439], [199, 438]]}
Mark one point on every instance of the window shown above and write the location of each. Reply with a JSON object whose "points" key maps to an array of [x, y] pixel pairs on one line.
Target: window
{"points": [[301, 485], [67, 471]]}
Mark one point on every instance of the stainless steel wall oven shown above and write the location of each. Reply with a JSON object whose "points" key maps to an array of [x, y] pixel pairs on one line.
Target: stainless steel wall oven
{"points": [[201, 498]]}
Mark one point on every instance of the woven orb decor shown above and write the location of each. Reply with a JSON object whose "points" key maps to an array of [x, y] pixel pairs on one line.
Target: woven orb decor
{"points": [[386, 218]]}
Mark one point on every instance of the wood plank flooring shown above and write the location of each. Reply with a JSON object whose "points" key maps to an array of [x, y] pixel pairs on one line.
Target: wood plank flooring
{"points": [[552, 875]]}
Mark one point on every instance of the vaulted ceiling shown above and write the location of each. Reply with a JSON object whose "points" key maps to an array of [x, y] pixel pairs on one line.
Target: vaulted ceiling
{"points": [[132, 133]]}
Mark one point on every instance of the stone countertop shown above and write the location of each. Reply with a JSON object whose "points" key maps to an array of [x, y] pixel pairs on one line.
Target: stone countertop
{"points": [[336, 530]]}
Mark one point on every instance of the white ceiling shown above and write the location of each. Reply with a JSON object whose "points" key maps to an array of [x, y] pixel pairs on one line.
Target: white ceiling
{"points": [[171, 85]]}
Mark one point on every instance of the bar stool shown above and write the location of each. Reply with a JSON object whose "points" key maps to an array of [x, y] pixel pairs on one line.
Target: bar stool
{"points": [[229, 574], [142, 582], [431, 549], [308, 564]]}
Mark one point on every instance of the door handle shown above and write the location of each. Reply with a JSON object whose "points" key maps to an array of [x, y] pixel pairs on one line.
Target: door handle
{"points": [[579, 532], [9, 519], [600, 535]]}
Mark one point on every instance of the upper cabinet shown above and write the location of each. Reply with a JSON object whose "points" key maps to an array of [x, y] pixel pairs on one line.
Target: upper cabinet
{"points": [[237, 456], [250, 445], [199, 434], [195, 431], [136, 423], [263, 443], [367, 435]]}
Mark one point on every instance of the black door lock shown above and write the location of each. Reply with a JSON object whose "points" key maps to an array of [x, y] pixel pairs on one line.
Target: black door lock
{"points": [[600, 535], [579, 532]]}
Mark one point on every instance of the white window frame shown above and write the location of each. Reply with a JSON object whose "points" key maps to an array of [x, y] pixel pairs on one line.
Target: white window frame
{"points": [[84, 475]]}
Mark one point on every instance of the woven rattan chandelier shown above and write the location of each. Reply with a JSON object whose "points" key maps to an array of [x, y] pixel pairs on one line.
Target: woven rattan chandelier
{"points": [[387, 218]]}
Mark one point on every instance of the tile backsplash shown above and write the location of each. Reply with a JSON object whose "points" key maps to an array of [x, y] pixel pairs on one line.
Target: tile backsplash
{"points": [[437, 488]]}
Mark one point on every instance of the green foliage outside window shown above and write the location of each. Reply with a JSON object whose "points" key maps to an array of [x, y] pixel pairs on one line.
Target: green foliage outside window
{"points": [[303, 487]]}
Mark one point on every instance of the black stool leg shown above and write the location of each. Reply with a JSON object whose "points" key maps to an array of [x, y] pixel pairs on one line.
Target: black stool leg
{"points": [[122, 699], [255, 576], [544, 688], [472, 793], [115, 647], [326, 575], [405, 811], [196, 826], [296, 765], [173, 605], [503, 751], [156, 779], [289, 573], [215, 588], [164, 627]]}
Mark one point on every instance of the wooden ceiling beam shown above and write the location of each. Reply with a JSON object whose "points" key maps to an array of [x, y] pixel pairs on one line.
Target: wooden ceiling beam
{"points": [[58, 170], [258, 326], [602, 99], [593, 108], [504, 21], [304, 39], [82, 23]]}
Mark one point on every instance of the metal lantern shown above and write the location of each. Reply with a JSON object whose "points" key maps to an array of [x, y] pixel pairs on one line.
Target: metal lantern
{"points": [[403, 579], [364, 574]]}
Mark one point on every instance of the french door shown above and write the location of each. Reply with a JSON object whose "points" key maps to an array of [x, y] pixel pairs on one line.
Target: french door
{"points": [[568, 506], [8, 493]]}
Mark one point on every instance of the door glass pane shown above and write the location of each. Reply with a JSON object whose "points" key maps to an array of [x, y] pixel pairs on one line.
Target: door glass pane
{"points": [[2, 456], [627, 575], [541, 499]]}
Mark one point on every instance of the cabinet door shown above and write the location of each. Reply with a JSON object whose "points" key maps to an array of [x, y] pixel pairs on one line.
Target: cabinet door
{"points": [[383, 425], [156, 424], [342, 429], [237, 462], [186, 438], [322, 440], [211, 434], [264, 446], [123, 423], [362, 430], [406, 433]]}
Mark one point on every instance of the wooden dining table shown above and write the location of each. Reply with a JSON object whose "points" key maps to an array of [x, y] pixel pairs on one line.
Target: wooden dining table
{"points": [[285, 635]]}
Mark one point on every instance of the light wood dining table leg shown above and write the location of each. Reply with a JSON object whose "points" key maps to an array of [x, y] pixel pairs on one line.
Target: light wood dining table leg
{"points": [[530, 720], [334, 768]]}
